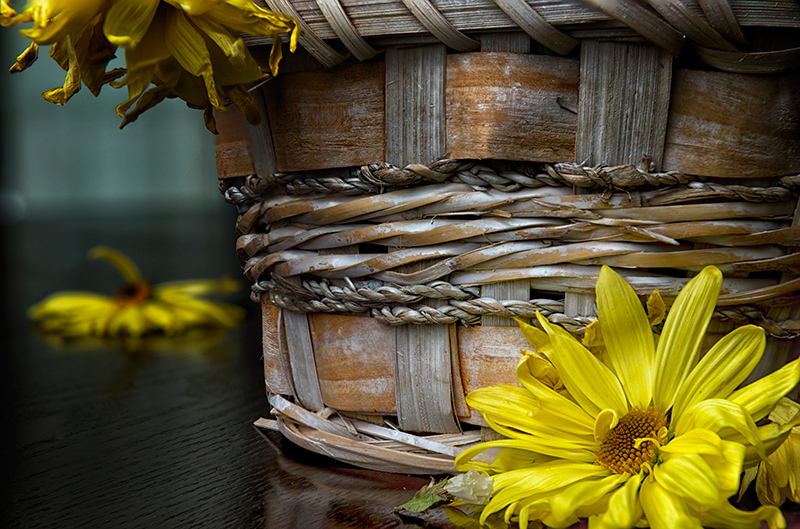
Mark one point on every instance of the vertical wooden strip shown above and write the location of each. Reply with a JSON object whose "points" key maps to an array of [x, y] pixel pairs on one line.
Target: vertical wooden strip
{"points": [[301, 359], [623, 103], [260, 140], [415, 132], [623, 106], [512, 42], [415, 104], [277, 375]]}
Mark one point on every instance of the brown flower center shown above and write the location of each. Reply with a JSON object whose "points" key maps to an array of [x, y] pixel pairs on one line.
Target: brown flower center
{"points": [[618, 448], [134, 293]]}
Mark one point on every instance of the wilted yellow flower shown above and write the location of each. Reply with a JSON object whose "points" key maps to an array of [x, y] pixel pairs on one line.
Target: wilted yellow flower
{"points": [[190, 49], [138, 308], [648, 434], [778, 477]]}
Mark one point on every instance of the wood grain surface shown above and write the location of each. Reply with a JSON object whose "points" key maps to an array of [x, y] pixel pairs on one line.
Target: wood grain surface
{"points": [[734, 125], [511, 106]]}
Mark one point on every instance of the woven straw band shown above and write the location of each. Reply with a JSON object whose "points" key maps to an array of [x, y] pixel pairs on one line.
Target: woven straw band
{"points": [[477, 225]]}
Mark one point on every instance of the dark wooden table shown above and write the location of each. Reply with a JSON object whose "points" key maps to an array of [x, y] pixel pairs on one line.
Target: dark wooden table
{"points": [[101, 436], [98, 436]]}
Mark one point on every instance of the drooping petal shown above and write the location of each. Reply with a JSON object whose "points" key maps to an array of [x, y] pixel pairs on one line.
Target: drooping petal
{"points": [[562, 505], [726, 516], [722, 369], [127, 21], [538, 481], [665, 510], [706, 473], [760, 397], [627, 336], [725, 418], [624, 509], [679, 345], [593, 386], [689, 476], [512, 454], [772, 435], [189, 48]]}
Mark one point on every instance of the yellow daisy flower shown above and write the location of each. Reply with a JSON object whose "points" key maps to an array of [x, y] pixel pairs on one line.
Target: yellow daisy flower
{"points": [[138, 308], [190, 49], [653, 434]]}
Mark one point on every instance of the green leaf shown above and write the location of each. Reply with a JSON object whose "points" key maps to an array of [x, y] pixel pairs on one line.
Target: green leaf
{"points": [[425, 498]]}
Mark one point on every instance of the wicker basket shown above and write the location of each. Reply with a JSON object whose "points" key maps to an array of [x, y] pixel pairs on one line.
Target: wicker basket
{"points": [[528, 143]]}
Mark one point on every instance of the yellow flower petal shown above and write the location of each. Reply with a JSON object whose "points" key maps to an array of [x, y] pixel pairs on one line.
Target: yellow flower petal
{"points": [[690, 477], [537, 481], [761, 396], [726, 516], [627, 336], [25, 59], [593, 386], [127, 21], [679, 345], [624, 509], [72, 81], [121, 262], [665, 510], [656, 308], [515, 408], [772, 435], [189, 48], [511, 454], [562, 505], [565, 408], [724, 418], [722, 369]]}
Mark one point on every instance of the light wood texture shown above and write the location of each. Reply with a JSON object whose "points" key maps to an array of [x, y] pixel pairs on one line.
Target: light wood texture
{"points": [[276, 359], [415, 131], [301, 357], [488, 356], [231, 145], [624, 100], [511, 106], [734, 125], [415, 104], [622, 115], [355, 363], [327, 119]]}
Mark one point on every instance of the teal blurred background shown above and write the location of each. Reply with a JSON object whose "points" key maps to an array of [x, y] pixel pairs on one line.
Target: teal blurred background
{"points": [[74, 160]]}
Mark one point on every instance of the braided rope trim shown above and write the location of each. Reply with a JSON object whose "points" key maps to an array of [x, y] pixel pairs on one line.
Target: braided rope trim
{"points": [[381, 177], [465, 307]]}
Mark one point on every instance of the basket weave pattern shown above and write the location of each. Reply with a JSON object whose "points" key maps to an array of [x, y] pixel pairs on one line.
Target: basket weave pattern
{"points": [[396, 213]]}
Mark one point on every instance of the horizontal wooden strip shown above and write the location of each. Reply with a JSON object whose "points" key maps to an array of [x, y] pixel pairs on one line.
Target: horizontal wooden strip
{"points": [[326, 119], [355, 363], [511, 106], [733, 125]]}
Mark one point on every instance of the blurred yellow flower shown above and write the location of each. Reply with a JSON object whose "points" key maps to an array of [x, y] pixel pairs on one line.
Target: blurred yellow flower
{"points": [[647, 434], [190, 49], [138, 308]]}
